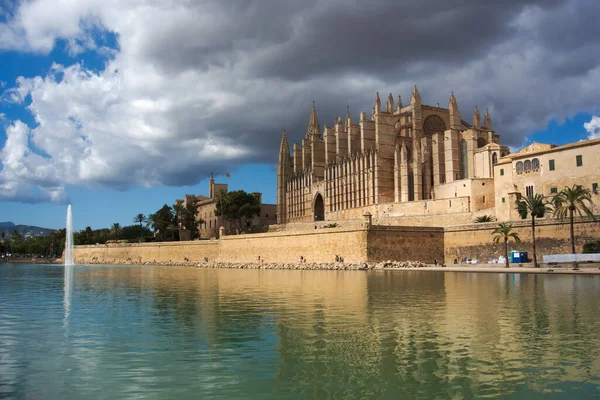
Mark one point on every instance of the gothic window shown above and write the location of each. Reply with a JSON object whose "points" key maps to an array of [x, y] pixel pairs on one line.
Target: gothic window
{"points": [[529, 191], [464, 161], [494, 158], [535, 164], [527, 166], [519, 167], [433, 124]]}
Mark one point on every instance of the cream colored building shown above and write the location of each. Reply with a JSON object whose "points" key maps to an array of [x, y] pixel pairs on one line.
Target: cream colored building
{"points": [[546, 169], [408, 158], [207, 206]]}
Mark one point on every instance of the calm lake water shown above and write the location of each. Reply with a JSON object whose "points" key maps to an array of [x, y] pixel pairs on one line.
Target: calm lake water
{"points": [[113, 332]]}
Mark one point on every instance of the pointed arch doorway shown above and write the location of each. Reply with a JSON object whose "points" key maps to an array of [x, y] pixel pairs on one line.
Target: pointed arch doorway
{"points": [[319, 208]]}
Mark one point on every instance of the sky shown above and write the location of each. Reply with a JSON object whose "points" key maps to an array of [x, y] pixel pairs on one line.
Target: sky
{"points": [[120, 106]]}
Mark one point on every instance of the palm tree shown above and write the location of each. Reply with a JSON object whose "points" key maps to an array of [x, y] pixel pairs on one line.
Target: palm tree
{"points": [[151, 222], [504, 232], [537, 206], [484, 218], [569, 201], [140, 219], [116, 228]]}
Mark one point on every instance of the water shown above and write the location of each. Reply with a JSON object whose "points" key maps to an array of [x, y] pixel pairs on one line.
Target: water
{"points": [[69, 238], [107, 332]]}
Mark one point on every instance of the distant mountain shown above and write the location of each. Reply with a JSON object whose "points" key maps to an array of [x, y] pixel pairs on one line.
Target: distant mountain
{"points": [[25, 230]]}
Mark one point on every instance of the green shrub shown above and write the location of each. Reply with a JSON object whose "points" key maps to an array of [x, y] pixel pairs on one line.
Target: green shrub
{"points": [[591, 247]]}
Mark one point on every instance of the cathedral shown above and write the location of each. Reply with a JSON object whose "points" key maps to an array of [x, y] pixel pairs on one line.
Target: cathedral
{"points": [[400, 156]]}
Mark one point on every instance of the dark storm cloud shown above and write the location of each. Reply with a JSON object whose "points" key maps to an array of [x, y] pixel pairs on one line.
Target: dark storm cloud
{"points": [[440, 46], [212, 84]]}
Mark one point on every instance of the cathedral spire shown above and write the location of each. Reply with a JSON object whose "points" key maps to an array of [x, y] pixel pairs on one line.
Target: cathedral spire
{"points": [[455, 120], [348, 117], [284, 148], [399, 103], [476, 119], [389, 107], [313, 124], [416, 97], [487, 120], [377, 104]]}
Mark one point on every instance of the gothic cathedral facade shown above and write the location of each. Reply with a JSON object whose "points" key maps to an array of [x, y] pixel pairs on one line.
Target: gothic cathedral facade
{"points": [[401, 155]]}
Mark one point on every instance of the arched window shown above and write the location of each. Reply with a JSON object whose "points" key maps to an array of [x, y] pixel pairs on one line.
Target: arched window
{"points": [[535, 164], [527, 166], [520, 167], [494, 158], [481, 142], [464, 160], [433, 124], [210, 223]]}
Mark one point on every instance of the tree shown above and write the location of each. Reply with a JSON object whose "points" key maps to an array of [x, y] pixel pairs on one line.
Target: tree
{"points": [[162, 221], [134, 232], [17, 244], [139, 219], [188, 216], [536, 206], [504, 232], [238, 206], [569, 201], [116, 229], [484, 218]]}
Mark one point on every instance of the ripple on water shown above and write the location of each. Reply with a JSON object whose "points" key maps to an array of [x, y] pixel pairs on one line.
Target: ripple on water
{"points": [[150, 332]]}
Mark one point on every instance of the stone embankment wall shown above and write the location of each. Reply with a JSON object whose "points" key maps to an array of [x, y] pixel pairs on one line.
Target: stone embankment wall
{"points": [[552, 237], [405, 244], [354, 243], [320, 245], [146, 252]]}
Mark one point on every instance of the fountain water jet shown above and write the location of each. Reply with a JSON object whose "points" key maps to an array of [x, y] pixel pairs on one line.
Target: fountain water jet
{"points": [[69, 238]]}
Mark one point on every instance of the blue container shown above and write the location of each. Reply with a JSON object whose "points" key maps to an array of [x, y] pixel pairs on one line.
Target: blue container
{"points": [[515, 257], [524, 256]]}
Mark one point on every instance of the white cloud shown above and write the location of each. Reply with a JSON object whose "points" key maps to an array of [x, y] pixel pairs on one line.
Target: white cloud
{"points": [[198, 86], [593, 128]]}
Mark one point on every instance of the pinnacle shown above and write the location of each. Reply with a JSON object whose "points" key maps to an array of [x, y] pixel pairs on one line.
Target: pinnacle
{"points": [[313, 124]]}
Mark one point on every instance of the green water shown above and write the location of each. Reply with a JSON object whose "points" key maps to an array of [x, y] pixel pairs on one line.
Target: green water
{"points": [[109, 332]]}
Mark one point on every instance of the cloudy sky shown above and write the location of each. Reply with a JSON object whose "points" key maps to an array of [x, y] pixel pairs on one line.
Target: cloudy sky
{"points": [[120, 106]]}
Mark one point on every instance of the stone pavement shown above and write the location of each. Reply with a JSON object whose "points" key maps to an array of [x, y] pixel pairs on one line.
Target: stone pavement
{"points": [[584, 269]]}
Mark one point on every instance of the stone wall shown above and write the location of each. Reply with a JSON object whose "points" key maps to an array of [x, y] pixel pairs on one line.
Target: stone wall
{"points": [[147, 252], [552, 237], [319, 246], [405, 244], [355, 243]]}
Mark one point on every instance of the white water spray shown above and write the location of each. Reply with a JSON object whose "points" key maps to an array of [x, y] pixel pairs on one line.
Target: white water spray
{"points": [[69, 238]]}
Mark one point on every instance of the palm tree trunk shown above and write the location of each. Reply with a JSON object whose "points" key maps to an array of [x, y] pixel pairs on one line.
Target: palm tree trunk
{"points": [[572, 232], [575, 266], [535, 264], [506, 252]]}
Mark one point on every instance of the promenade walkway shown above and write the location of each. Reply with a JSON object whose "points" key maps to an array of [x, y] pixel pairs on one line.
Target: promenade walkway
{"points": [[584, 269]]}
